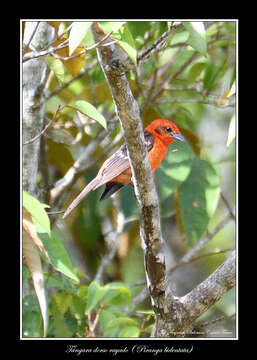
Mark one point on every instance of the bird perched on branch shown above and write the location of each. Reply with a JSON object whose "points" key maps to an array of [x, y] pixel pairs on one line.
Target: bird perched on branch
{"points": [[116, 171]]}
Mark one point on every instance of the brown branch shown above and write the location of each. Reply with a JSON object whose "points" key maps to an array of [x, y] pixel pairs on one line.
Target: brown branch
{"points": [[158, 45], [51, 51], [186, 309], [210, 290], [113, 62]]}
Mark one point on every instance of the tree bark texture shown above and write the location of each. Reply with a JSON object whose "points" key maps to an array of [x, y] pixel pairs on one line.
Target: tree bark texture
{"points": [[34, 77], [115, 63]]}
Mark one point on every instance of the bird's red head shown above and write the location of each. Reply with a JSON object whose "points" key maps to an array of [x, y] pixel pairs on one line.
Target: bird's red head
{"points": [[165, 130]]}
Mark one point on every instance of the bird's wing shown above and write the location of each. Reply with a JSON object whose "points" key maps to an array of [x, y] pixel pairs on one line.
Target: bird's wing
{"points": [[114, 165], [111, 168], [119, 161]]}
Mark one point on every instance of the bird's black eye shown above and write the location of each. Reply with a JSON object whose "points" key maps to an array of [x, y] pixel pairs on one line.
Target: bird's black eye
{"points": [[168, 129]]}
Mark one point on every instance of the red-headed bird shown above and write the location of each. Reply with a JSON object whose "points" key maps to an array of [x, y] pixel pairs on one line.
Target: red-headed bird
{"points": [[116, 172]]}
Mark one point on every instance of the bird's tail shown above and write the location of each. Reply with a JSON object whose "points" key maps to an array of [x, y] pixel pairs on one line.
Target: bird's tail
{"points": [[94, 184]]}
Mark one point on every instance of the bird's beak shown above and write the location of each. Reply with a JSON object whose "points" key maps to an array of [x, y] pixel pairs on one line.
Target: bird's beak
{"points": [[179, 137]]}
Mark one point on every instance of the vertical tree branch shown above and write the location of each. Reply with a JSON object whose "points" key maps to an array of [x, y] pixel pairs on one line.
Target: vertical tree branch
{"points": [[114, 62], [34, 78]]}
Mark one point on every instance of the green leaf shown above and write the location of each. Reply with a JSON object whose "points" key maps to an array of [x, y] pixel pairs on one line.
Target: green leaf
{"points": [[175, 168], [63, 301], [112, 25], [124, 320], [32, 258], [198, 198], [88, 109], [117, 294], [196, 71], [138, 28], [31, 317], [105, 318], [232, 129], [148, 312], [37, 211], [58, 255], [78, 32], [210, 75], [129, 331], [95, 293], [57, 66], [197, 36], [77, 308], [127, 43], [181, 58], [59, 321]]}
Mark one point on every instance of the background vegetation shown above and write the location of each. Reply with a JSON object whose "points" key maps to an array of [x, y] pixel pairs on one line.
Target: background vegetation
{"points": [[92, 263]]}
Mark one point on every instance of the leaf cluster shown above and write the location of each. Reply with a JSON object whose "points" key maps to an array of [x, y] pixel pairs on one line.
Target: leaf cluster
{"points": [[191, 80]]}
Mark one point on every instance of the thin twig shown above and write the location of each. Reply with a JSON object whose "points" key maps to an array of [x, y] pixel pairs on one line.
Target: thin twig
{"points": [[158, 45], [112, 237], [200, 244], [214, 321], [210, 253], [59, 36], [50, 50], [92, 324], [207, 101], [173, 76], [227, 205], [44, 130], [79, 167], [31, 38]]}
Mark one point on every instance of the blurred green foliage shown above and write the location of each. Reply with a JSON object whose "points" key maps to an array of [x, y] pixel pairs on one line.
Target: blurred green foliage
{"points": [[188, 81]]}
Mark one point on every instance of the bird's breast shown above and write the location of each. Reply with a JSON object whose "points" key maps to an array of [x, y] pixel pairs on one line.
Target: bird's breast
{"points": [[157, 154]]}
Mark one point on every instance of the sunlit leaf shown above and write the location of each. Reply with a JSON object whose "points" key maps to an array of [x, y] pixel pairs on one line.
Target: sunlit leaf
{"points": [[77, 34], [52, 247], [73, 65], [197, 36], [33, 261], [109, 26], [88, 109], [37, 210], [30, 229], [57, 66]]}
